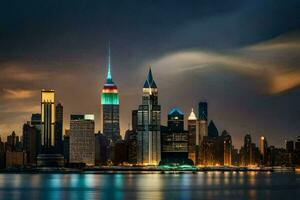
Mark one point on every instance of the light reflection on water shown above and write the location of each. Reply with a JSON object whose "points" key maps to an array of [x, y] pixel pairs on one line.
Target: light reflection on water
{"points": [[201, 185]]}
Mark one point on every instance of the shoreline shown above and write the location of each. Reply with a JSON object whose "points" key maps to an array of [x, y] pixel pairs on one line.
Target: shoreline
{"points": [[143, 170]]}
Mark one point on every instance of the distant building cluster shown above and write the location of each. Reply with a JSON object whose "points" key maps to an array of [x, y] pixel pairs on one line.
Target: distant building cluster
{"points": [[147, 143]]}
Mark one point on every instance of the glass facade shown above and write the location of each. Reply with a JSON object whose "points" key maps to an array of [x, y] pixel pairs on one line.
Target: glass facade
{"points": [[148, 127], [47, 119], [82, 140]]}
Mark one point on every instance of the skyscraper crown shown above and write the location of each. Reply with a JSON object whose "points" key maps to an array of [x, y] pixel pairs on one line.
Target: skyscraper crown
{"points": [[192, 116], [175, 111], [150, 83]]}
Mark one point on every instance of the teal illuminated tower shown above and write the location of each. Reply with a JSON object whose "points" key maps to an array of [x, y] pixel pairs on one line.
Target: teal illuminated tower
{"points": [[110, 107]]}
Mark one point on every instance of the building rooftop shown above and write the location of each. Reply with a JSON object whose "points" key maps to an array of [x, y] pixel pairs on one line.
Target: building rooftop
{"points": [[192, 115]]}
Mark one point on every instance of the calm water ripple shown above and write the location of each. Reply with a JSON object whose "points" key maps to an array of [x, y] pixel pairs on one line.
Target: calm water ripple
{"points": [[203, 185]]}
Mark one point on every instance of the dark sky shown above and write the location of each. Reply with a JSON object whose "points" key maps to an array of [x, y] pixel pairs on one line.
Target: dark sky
{"points": [[241, 56]]}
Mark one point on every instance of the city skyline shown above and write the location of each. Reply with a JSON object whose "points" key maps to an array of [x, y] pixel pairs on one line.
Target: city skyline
{"points": [[238, 142], [112, 99], [196, 55]]}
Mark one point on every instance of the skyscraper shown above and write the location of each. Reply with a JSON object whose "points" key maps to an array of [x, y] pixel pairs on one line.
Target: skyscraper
{"points": [[263, 149], [247, 152], [101, 149], [47, 156], [212, 130], [227, 148], [110, 106], [30, 142], [36, 123], [149, 144], [202, 111], [176, 120], [289, 146], [66, 144], [131, 141], [58, 128], [12, 142], [82, 139], [174, 139], [202, 119], [193, 142], [134, 120], [48, 120]]}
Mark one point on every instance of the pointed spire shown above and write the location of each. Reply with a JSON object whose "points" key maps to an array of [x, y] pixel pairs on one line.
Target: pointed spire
{"points": [[150, 83], [109, 77], [150, 77], [192, 116]]}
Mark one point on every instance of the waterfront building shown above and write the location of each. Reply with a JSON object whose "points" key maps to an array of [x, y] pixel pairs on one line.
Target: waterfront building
{"points": [[235, 161], [193, 144], [202, 129], [13, 142], [202, 120], [277, 157], [30, 143], [174, 139], [176, 120], [101, 149], [289, 146], [48, 121], [36, 122], [15, 159], [131, 142], [47, 156], [209, 151], [2, 154], [148, 133], [212, 130], [134, 120], [110, 106], [66, 147], [297, 144], [227, 148], [263, 146], [82, 139], [247, 152], [216, 150], [120, 153], [58, 143]]}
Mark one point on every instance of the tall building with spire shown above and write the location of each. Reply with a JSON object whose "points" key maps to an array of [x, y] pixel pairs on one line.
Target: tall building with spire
{"points": [[148, 129], [193, 143], [110, 106]]}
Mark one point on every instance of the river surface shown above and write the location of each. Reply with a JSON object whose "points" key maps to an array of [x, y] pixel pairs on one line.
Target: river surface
{"points": [[201, 185]]}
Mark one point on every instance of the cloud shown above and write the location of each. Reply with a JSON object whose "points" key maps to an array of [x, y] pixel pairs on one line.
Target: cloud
{"points": [[21, 107], [18, 93], [276, 67], [284, 81], [20, 72], [288, 41]]}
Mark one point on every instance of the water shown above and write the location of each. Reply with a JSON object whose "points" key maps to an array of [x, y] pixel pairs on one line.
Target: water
{"points": [[202, 185]]}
